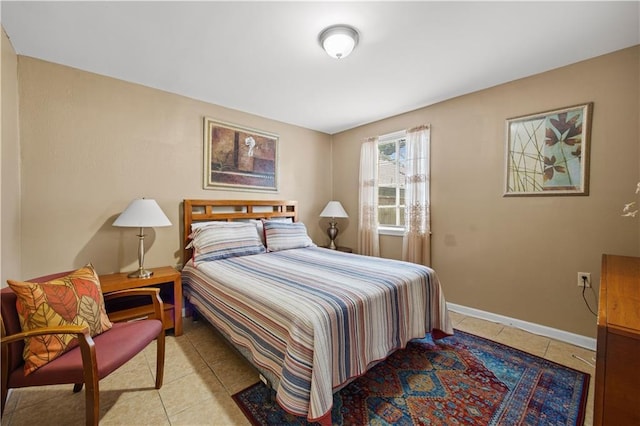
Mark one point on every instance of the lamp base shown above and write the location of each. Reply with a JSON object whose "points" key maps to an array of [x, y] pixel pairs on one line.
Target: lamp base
{"points": [[140, 273], [332, 232]]}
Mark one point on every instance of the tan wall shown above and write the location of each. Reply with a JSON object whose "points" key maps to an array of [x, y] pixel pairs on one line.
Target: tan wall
{"points": [[10, 166], [91, 144], [519, 256]]}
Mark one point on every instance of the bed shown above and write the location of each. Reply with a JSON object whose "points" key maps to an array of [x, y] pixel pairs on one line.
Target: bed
{"points": [[309, 319]]}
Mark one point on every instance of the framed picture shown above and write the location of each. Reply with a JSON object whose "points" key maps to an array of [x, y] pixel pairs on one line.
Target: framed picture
{"points": [[239, 158], [548, 152]]}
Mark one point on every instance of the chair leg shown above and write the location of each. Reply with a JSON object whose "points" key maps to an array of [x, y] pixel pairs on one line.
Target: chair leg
{"points": [[5, 392], [92, 402], [77, 387], [4, 369], [90, 374], [160, 359]]}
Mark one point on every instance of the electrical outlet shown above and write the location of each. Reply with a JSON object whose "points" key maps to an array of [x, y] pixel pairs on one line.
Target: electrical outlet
{"points": [[584, 279]]}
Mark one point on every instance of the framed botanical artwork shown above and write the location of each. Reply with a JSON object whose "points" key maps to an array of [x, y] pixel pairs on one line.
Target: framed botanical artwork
{"points": [[239, 158], [548, 152]]}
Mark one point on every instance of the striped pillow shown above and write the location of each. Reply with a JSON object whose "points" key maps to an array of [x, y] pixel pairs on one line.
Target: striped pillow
{"points": [[285, 236], [220, 240], [260, 225]]}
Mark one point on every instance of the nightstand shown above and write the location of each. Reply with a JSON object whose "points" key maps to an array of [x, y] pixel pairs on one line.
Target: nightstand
{"points": [[166, 278], [344, 249]]}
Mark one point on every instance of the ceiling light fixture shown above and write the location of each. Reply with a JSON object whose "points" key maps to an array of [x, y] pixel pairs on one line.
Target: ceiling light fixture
{"points": [[339, 40]]}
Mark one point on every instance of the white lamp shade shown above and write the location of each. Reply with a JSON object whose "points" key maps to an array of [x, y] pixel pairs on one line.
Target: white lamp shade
{"points": [[338, 41], [142, 213], [334, 209]]}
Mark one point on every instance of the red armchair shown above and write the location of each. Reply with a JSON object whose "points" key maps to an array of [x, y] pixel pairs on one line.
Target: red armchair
{"points": [[92, 360]]}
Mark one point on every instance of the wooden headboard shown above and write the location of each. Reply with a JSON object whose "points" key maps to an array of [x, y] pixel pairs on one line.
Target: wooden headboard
{"points": [[230, 210]]}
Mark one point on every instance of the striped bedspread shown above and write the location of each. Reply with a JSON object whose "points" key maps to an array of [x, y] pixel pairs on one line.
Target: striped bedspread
{"points": [[317, 318]]}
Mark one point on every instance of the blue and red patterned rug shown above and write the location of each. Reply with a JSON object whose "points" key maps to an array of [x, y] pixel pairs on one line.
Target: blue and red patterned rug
{"points": [[459, 380]]}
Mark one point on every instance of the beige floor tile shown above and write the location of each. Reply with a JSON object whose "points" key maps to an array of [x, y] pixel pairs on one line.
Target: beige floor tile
{"points": [[201, 331], [242, 382], [456, 317], [179, 362], [12, 401], [189, 391], [219, 409], [572, 356], [235, 373], [60, 409], [26, 397], [215, 353], [480, 327], [233, 370], [525, 341], [139, 408], [171, 345], [134, 375], [5, 419]]}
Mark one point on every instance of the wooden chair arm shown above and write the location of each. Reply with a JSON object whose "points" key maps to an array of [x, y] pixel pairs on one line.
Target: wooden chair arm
{"points": [[152, 292], [85, 342], [79, 330]]}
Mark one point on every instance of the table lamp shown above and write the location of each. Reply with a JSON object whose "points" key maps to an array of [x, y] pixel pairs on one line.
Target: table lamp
{"points": [[333, 209], [142, 213]]}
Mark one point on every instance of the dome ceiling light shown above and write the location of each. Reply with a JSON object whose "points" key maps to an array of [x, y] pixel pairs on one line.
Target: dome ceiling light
{"points": [[339, 40]]}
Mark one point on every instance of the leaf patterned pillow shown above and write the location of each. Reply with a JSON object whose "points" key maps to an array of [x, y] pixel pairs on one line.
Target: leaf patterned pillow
{"points": [[75, 299]]}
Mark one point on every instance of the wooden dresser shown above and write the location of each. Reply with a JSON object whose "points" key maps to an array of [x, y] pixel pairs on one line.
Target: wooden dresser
{"points": [[617, 387]]}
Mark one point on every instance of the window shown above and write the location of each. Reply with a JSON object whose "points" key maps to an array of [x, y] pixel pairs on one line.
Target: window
{"points": [[392, 152]]}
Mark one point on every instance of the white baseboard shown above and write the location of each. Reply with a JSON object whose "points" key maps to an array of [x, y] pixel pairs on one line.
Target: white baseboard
{"points": [[542, 330]]}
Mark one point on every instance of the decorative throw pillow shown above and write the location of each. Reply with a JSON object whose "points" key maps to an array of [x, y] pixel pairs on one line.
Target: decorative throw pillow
{"points": [[285, 236], [74, 299], [220, 240]]}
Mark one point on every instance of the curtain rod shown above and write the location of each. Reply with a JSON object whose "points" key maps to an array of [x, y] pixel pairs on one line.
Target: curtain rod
{"points": [[418, 128], [393, 134]]}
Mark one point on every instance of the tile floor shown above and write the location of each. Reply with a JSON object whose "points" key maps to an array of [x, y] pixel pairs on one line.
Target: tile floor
{"points": [[202, 372]]}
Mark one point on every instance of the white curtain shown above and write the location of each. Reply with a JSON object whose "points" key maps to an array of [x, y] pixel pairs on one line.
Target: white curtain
{"points": [[416, 244], [368, 243]]}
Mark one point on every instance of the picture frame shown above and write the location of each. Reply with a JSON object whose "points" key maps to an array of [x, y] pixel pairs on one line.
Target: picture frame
{"points": [[239, 158], [548, 153]]}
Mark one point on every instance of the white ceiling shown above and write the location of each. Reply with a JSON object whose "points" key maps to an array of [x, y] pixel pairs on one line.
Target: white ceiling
{"points": [[264, 57]]}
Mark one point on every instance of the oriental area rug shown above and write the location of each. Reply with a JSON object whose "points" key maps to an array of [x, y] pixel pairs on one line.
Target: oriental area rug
{"points": [[459, 380]]}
